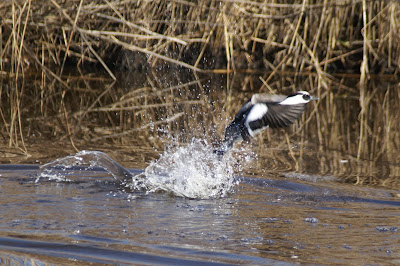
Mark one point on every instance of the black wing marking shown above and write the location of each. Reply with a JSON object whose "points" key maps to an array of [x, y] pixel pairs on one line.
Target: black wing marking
{"points": [[279, 116], [283, 115]]}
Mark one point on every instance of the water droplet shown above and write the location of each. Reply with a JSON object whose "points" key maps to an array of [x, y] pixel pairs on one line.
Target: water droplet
{"points": [[311, 220]]}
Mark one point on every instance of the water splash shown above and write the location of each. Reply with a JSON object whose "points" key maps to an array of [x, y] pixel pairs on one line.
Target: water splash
{"points": [[192, 171], [57, 169]]}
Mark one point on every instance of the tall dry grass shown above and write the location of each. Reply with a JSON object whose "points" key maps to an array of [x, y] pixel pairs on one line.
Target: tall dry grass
{"points": [[229, 34], [310, 45]]}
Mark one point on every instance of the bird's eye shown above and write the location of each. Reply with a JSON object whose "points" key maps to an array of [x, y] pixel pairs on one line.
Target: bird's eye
{"points": [[306, 97]]}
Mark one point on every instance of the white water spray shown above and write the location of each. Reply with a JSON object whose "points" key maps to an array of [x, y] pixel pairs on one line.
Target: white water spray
{"points": [[192, 171]]}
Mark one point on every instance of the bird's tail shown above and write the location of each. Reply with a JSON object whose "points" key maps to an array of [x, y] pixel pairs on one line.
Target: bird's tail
{"points": [[232, 134]]}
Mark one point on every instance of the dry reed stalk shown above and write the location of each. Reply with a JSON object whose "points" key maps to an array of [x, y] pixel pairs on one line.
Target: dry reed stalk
{"points": [[17, 36], [146, 126], [67, 49], [115, 108], [174, 30], [363, 84]]}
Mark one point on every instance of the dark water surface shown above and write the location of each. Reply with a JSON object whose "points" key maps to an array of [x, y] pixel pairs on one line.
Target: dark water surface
{"points": [[264, 221], [287, 197]]}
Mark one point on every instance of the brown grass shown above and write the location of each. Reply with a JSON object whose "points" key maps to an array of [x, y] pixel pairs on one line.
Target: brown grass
{"points": [[47, 49], [230, 34]]}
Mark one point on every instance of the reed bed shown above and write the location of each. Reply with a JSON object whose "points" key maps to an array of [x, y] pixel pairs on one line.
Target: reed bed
{"points": [[157, 57], [299, 36]]}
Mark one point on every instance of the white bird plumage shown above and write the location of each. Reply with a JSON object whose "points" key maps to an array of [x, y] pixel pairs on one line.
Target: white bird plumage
{"points": [[263, 111]]}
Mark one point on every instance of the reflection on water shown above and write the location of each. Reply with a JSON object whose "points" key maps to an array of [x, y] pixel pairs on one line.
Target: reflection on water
{"points": [[281, 198], [264, 221]]}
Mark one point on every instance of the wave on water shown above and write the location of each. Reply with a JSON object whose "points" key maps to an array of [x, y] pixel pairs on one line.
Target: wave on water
{"points": [[192, 171], [61, 169]]}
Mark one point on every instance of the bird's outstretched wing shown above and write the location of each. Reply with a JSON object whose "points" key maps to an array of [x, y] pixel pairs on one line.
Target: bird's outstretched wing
{"points": [[278, 116]]}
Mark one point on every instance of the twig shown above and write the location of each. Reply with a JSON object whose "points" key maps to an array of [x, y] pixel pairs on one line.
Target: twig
{"points": [[127, 132]]}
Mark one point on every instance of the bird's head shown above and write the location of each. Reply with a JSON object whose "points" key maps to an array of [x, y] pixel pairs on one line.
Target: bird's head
{"points": [[300, 97]]}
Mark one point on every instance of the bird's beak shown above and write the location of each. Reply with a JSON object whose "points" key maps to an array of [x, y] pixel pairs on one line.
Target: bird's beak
{"points": [[314, 98]]}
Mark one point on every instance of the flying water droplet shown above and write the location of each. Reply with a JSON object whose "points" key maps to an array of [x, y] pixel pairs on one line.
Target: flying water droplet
{"points": [[192, 171]]}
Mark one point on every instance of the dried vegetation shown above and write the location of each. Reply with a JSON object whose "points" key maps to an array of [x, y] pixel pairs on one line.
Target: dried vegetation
{"points": [[314, 45], [299, 36]]}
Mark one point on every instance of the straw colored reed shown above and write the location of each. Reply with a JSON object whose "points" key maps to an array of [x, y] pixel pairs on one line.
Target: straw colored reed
{"points": [[300, 36]]}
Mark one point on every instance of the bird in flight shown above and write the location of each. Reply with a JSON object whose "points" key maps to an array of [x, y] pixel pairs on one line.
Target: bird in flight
{"points": [[263, 111]]}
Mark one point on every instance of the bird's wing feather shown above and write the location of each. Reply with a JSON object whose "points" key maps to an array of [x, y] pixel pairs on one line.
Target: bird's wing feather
{"points": [[278, 116], [283, 115], [258, 98], [267, 98]]}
